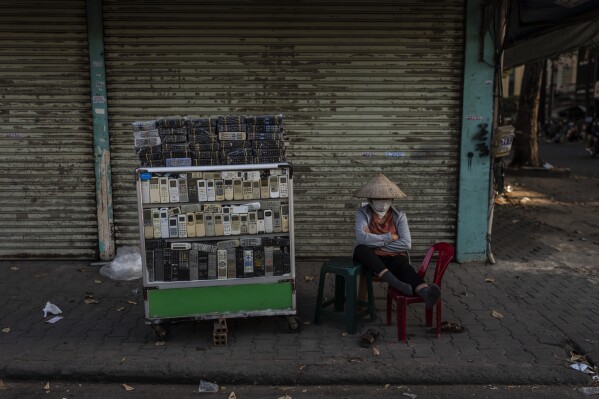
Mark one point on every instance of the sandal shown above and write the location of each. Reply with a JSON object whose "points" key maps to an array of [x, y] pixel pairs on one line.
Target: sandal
{"points": [[447, 327], [451, 327], [368, 338]]}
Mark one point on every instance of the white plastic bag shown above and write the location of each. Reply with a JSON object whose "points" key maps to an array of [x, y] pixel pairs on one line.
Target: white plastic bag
{"points": [[51, 308], [125, 266]]}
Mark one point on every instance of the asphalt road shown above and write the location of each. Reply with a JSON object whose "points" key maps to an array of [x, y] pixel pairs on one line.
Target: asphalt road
{"points": [[572, 156], [60, 390]]}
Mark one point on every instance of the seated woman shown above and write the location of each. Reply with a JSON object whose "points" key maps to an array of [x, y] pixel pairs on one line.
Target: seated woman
{"points": [[383, 239]]}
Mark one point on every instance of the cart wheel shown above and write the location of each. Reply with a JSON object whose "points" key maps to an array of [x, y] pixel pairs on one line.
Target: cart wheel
{"points": [[162, 332], [294, 324]]}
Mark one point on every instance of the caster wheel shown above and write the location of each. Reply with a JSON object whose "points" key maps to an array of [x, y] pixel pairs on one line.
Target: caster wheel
{"points": [[294, 324], [162, 332]]}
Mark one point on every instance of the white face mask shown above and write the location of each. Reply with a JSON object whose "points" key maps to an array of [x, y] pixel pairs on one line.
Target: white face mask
{"points": [[380, 206]]}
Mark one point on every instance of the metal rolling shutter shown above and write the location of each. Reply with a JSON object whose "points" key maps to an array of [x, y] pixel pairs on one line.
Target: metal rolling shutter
{"points": [[364, 89], [47, 185]]}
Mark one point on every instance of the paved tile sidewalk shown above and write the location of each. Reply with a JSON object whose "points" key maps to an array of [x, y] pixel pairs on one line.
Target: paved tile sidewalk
{"points": [[110, 341]]}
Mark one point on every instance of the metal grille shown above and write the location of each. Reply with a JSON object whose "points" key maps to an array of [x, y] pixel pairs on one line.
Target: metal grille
{"points": [[364, 89], [47, 185]]}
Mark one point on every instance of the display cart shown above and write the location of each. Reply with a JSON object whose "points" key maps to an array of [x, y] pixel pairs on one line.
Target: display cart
{"points": [[217, 242]]}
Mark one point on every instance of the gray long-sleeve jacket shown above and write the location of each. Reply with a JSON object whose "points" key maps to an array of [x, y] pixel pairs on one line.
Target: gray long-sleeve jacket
{"points": [[383, 241]]}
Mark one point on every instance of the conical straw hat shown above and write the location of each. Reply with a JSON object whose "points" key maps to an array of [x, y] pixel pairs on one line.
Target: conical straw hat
{"points": [[380, 187]]}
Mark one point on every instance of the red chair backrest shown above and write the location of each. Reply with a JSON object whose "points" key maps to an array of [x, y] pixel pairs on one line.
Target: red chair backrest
{"points": [[444, 256]]}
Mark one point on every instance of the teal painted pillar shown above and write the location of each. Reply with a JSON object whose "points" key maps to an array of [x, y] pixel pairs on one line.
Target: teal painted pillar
{"points": [[101, 142], [475, 158]]}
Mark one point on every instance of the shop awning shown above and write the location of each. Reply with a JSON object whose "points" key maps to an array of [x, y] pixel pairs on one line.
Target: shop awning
{"points": [[539, 29]]}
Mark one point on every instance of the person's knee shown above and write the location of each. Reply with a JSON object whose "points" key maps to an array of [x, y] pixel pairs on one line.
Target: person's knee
{"points": [[400, 263], [362, 250]]}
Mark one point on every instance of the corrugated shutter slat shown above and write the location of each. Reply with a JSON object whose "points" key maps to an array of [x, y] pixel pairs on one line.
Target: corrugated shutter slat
{"points": [[364, 89], [47, 187]]}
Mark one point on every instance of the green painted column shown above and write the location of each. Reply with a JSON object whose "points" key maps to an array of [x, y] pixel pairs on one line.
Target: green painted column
{"points": [[475, 158], [101, 142]]}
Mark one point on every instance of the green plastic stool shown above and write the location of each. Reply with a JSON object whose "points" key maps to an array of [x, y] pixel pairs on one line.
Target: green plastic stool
{"points": [[345, 302]]}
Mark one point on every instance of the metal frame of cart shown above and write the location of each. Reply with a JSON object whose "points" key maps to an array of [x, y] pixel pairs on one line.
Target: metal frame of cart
{"points": [[174, 301]]}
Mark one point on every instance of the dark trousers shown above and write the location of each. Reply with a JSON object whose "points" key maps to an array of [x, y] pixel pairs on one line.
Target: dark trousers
{"points": [[398, 265]]}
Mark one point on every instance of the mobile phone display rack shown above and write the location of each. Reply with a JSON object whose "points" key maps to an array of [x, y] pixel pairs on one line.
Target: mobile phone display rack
{"points": [[217, 242]]}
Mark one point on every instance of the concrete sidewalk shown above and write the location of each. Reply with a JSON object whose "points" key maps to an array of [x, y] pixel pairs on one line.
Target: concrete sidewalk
{"points": [[547, 304]]}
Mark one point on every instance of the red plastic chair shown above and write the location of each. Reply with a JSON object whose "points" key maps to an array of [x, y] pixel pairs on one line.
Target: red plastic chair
{"points": [[444, 253]]}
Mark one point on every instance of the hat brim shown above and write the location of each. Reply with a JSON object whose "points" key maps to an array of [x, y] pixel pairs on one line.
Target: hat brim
{"points": [[380, 187]]}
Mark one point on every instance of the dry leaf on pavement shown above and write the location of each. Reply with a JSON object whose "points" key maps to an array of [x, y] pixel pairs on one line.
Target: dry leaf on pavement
{"points": [[232, 396], [6, 330], [489, 280], [577, 357], [132, 302], [160, 343], [14, 268], [496, 314], [375, 351], [309, 278], [120, 308], [3, 386], [98, 281], [89, 298], [128, 388], [284, 397], [47, 387]]}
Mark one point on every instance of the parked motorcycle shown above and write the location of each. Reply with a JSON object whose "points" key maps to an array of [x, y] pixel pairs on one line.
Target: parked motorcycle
{"points": [[593, 138]]}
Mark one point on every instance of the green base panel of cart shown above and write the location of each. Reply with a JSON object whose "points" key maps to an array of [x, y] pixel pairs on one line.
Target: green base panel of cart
{"points": [[214, 300]]}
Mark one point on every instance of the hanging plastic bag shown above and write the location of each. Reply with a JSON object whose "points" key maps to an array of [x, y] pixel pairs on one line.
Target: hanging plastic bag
{"points": [[125, 266]]}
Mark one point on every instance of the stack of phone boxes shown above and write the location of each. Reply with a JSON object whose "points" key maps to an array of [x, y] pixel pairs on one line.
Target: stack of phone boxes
{"points": [[236, 150], [173, 135], [203, 141], [148, 143], [266, 134], [224, 140], [163, 142]]}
